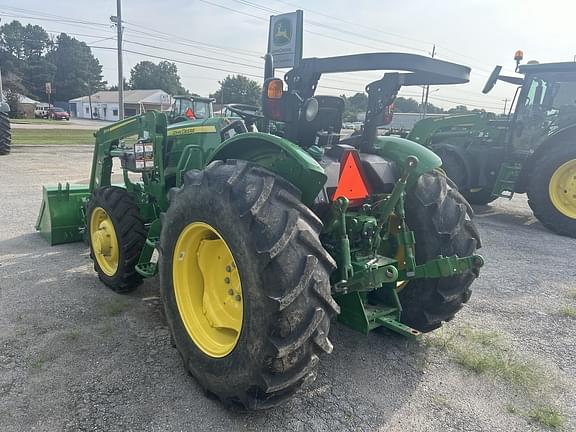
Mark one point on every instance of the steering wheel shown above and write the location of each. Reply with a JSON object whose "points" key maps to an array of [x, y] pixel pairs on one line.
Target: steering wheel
{"points": [[249, 113], [492, 79]]}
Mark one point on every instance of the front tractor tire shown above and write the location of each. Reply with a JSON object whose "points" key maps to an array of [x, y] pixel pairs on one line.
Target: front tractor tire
{"points": [[244, 281], [5, 134], [552, 190], [442, 223], [116, 235]]}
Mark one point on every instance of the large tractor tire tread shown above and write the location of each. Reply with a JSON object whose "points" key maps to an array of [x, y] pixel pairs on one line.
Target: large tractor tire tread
{"points": [[5, 134], [442, 223], [538, 191], [130, 231], [288, 303]]}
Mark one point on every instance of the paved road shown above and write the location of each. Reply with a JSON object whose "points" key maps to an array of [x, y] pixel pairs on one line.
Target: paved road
{"points": [[75, 356]]}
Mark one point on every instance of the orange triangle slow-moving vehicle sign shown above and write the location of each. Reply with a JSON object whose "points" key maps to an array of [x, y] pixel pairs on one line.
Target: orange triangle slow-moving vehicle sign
{"points": [[351, 184]]}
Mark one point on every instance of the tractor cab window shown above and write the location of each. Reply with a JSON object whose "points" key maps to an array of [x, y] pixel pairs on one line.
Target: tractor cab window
{"points": [[193, 109], [202, 110], [535, 96]]}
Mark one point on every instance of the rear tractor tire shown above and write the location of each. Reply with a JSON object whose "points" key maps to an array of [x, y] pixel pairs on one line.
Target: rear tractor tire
{"points": [[245, 285], [454, 167], [552, 190], [5, 134], [442, 223], [116, 235]]}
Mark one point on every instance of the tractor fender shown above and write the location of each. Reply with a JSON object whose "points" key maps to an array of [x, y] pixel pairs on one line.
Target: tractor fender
{"points": [[399, 149], [278, 155], [564, 136]]}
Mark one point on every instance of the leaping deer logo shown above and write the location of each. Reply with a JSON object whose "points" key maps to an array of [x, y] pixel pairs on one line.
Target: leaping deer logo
{"points": [[282, 32]]}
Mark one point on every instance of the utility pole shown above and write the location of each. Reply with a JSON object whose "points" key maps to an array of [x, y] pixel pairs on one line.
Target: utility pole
{"points": [[505, 105], [428, 86], [118, 21]]}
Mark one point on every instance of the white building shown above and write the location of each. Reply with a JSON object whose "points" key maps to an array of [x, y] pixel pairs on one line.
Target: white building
{"points": [[104, 104]]}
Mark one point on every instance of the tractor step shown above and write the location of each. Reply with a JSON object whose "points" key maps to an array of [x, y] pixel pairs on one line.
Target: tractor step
{"points": [[147, 269], [506, 181]]}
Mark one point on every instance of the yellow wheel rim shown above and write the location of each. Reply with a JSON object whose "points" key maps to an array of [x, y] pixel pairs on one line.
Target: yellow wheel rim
{"points": [[207, 289], [104, 241], [562, 189]]}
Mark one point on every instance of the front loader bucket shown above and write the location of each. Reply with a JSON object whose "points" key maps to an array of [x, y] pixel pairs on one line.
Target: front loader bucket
{"points": [[61, 218]]}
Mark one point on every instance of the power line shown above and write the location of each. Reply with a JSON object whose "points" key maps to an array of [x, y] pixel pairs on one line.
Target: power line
{"points": [[321, 25], [193, 55], [380, 31], [178, 61]]}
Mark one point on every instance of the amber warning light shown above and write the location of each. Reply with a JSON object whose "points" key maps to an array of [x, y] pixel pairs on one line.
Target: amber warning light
{"points": [[275, 89]]}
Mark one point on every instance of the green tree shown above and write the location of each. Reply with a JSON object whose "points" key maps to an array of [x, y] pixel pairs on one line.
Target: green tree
{"points": [[77, 70], [36, 73], [12, 39], [353, 105], [406, 105], [164, 75], [238, 89], [21, 46], [458, 109]]}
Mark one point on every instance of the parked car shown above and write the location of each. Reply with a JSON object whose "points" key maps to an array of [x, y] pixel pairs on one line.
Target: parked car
{"points": [[58, 114], [41, 111]]}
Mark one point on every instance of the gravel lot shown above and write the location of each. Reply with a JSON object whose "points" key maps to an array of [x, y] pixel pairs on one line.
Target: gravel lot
{"points": [[76, 356]]}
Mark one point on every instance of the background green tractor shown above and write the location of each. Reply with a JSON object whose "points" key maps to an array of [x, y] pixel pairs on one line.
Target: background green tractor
{"points": [[260, 240], [185, 108], [531, 151]]}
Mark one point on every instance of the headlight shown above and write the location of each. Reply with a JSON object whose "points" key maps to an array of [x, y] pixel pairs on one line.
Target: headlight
{"points": [[310, 109]]}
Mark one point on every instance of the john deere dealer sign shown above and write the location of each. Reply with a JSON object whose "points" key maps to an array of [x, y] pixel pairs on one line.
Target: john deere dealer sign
{"points": [[285, 39]]}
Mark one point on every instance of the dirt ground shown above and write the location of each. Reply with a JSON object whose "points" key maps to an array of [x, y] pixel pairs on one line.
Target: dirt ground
{"points": [[76, 356]]}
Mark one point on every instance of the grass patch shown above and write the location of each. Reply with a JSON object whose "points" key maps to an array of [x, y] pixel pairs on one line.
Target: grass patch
{"points": [[37, 364], [39, 121], [107, 329], [52, 136], [72, 335], [548, 416], [114, 307], [502, 365], [441, 401], [487, 352], [568, 311]]}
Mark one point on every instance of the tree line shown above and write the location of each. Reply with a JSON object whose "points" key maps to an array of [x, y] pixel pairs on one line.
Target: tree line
{"points": [[358, 103]]}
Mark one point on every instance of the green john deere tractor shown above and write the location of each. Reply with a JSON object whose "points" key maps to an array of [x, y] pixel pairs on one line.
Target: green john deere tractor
{"points": [[260, 240], [531, 151], [186, 108]]}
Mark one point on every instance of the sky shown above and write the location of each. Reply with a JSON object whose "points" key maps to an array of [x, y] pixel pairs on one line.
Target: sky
{"points": [[209, 39]]}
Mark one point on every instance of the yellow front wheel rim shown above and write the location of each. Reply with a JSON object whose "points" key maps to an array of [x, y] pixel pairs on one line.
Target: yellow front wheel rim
{"points": [[208, 290], [562, 189], [104, 241]]}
